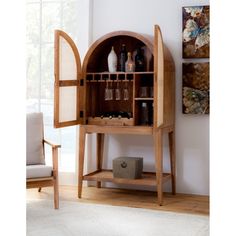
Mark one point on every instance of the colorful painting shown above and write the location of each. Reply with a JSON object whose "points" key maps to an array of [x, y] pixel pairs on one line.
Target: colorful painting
{"points": [[196, 35], [196, 88]]}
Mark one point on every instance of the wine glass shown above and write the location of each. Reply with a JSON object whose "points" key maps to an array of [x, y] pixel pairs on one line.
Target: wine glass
{"points": [[111, 92], [117, 91], [126, 92], [107, 92]]}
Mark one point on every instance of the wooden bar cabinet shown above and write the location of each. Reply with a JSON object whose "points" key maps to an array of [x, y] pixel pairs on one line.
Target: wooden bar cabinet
{"points": [[79, 99]]}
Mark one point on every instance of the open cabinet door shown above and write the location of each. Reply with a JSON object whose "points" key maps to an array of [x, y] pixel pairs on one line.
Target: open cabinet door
{"points": [[159, 77], [67, 69]]}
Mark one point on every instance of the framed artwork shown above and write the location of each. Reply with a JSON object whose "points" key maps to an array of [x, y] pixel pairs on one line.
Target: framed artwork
{"points": [[196, 36], [196, 88]]}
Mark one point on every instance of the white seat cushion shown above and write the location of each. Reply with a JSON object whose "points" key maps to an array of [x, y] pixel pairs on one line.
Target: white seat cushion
{"points": [[38, 171], [34, 139]]}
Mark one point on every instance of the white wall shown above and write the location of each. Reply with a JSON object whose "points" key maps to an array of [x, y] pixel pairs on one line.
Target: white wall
{"points": [[192, 131]]}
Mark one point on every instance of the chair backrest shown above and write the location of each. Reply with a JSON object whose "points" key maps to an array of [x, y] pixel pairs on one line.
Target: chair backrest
{"points": [[34, 139]]}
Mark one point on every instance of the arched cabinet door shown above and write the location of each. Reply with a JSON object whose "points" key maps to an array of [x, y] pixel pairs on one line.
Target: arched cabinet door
{"points": [[67, 89], [158, 77], [164, 83]]}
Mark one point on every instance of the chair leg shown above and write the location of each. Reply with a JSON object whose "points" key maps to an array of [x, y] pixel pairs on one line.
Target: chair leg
{"points": [[55, 178], [56, 194], [39, 190]]}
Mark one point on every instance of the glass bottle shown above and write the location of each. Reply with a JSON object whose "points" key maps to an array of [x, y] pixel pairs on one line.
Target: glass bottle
{"points": [[112, 61], [151, 114], [139, 60], [144, 119], [129, 64], [123, 57]]}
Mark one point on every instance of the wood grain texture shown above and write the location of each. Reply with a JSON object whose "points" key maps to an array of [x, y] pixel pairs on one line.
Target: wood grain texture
{"points": [[82, 137], [148, 178], [58, 60], [100, 150], [51, 180], [90, 98], [183, 203]]}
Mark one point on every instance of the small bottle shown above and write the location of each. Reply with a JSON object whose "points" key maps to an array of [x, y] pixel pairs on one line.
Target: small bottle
{"points": [[112, 61], [139, 60], [151, 114], [123, 57], [144, 119], [129, 64]]}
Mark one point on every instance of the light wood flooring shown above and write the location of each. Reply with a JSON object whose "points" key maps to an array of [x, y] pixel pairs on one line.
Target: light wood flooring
{"points": [[184, 203]]}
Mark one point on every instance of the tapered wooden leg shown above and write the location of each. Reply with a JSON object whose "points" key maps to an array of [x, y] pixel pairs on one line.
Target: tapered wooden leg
{"points": [[100, 149], [172, 160], [55, 176], [82, 135], [158, 140], [39, 189]]}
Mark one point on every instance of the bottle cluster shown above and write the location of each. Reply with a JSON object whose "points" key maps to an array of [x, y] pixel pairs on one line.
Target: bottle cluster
{"points": [[124, 62]]}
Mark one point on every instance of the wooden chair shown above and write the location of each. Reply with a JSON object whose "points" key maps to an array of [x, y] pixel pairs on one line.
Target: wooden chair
{"points": [[38, 174]]}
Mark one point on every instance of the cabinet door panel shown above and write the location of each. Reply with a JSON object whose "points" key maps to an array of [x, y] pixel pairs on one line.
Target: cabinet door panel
{"points": [[67, 61], [67, 106], [67, 81], [159, 77]]}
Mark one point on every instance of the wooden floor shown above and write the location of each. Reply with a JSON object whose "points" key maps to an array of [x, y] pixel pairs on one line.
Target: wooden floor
{"points": [[184, 203]]}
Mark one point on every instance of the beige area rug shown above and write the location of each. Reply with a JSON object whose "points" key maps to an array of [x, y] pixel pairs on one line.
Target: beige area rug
{"points": [[82, 219]]}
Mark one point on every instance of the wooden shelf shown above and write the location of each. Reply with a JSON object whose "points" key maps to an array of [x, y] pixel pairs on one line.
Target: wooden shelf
{"points": [[148, 178], [114, 121], [144, 99]]}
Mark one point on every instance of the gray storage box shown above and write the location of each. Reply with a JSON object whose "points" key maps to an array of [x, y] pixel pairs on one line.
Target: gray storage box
{"points": [[128, 167]]}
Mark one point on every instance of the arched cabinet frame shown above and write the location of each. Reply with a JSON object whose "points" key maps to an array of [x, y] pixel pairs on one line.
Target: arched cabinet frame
{"points": [[91, 80]]}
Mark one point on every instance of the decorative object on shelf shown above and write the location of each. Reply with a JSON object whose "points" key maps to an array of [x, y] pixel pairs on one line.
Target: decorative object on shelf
{"points": [[112, 61], [144, 92], [151, 114], [139, 60], [144, 116], [128, 167], [129, 64], [196, 36], [196, 88], [123, 57]]}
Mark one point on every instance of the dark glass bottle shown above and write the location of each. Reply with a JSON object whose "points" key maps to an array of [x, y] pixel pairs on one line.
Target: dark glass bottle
{"points": [[144, 119], [151, 114], [139, 60], [123, 57]]}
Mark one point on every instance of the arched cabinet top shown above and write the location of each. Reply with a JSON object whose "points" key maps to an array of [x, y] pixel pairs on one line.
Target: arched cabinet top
{"points": [[96, 57]]}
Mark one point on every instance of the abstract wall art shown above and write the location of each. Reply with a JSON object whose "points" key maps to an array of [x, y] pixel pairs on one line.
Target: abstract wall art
{"points": [[196, 88], [196, 36]]}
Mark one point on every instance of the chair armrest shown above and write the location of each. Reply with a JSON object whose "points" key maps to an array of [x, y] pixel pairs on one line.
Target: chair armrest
{"points": [[54, 158], [51, 144]]}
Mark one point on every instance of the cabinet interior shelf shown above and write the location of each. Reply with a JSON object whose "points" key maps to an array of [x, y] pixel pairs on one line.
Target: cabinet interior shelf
{"points": [[143, 99], [148, 178]]}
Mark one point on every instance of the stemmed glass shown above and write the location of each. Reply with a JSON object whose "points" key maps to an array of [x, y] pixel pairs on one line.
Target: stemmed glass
{"points": [[126, 92], [117, 91], [111, 92], [108, 92]]}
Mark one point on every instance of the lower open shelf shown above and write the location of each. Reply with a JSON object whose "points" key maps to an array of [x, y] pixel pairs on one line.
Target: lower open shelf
{"points": [[148, 178]]}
